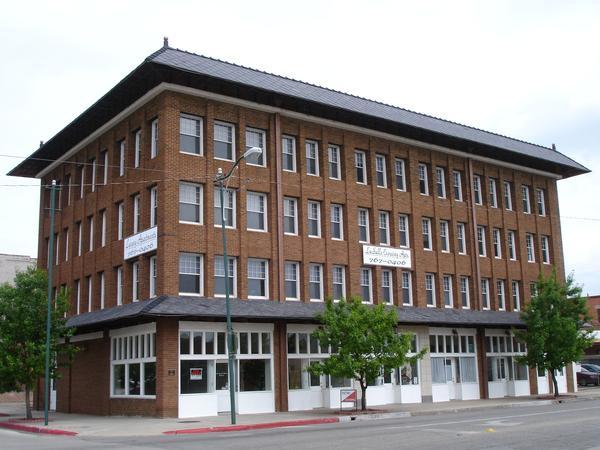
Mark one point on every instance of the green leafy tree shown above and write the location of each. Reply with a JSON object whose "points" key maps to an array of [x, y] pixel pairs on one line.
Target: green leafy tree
{"points": [[554, 318], [23, 310], [363, 340]]}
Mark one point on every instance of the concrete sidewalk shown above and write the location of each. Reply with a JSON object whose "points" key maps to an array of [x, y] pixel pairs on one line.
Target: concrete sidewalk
{"points": [[12, 414]]}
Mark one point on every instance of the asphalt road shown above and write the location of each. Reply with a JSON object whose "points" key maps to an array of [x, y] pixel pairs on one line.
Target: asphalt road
{"points": [[574, 425]]}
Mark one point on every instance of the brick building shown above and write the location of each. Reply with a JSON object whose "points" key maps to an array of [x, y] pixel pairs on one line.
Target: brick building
{"points": [[449, 224]]}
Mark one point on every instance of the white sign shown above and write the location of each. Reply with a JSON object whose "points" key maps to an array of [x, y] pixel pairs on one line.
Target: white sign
{"points": [[196, 373], [386, 256], [141, 243]]}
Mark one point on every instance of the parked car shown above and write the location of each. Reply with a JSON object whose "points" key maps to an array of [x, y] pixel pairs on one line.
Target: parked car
{"points": [[585, 376], [591, 367]]}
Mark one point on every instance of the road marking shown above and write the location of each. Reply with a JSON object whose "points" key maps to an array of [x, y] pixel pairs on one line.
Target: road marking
{"points": [[502, 423]]}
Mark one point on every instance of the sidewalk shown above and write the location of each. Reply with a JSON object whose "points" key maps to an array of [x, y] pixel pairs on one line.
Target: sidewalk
{"points": [[12, 414]]}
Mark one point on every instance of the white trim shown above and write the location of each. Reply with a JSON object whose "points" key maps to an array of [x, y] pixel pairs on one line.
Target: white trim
{"points": [[87, 336], [136, 329]]}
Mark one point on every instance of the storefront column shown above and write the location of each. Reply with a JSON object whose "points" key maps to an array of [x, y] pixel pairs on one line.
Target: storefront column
{"points": [[167, 367], [570, 379], [482, 364], [533, 380], [280, 363]]}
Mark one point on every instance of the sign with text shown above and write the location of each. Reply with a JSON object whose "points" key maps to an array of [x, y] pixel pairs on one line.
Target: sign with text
{"points": [[386, 256], [196, 373], [141, 243], [348, 396]]}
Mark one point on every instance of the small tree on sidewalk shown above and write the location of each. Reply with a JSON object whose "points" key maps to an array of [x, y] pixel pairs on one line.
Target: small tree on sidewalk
{"points": [[363, 342], [23, 310], [554, 319]]}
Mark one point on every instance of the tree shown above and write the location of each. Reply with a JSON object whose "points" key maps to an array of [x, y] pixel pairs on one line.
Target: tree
{"points": [[363, 342], [554, 319], [23, 309]]}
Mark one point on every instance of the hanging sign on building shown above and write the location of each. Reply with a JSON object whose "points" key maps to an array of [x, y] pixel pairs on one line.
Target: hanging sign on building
{"points": [[141, 243], [386, 256], [196, 373]]}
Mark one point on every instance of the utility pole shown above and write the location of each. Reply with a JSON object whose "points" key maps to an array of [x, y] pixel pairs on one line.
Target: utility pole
{"points": [[53, 189]]}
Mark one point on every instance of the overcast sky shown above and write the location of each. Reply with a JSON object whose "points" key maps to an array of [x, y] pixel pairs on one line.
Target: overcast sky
{"points": [[529, 70]]}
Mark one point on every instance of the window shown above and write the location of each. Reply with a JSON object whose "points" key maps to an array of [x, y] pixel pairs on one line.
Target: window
{"points": [[190, 202], [530, 247], [133, 362], [457, 185], [104, 155], [361, 166], [219, 279], [101, 283], [496, 243], [512, 252], [533, 289], [135, 281], [119, 285], [93, 180], [314, 219], [545, 249], [477, 189], [258, 278], [403, 229], [57, 249], [400, 174], [423, 182], [256, 208], [541, 203], [292, 280], [154, 139], [427, 241], [136, 213], [153, 276], [288, 150], [153, 206], [90, 292], [339, 282], [335, 170], [224, 141], [387, 289], [91, 233], [500, 294], [508, 196], [460, 238], [122, 157], [337, 222], [429, 289], [78, 295], [440, 182], [447, 285], [481, 240], [444, 236], [312, 158], [137, 154], [82, 182], [190, 134], [68, 185], [525, 198], [384, 228], [120, 219], [315, 281], [79, 238], [493, 193], [363, 225], [103, 228], [516, 296], [380, 171], [290, 215], [485, 293], [228, 212], [66, 244], [406, 288], [256, 138], [366, 291], [464, 292]]}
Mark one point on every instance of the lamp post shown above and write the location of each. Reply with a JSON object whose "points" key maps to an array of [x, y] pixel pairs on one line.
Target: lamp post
{"points": [[220, 182]]}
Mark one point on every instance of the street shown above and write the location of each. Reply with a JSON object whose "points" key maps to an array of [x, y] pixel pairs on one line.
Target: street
{"points": [[565, 426]]}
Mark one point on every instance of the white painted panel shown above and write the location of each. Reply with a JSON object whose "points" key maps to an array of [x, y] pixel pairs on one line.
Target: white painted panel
{"points": [[440, 393], [255, 402], [498, 389], [197, 405]]}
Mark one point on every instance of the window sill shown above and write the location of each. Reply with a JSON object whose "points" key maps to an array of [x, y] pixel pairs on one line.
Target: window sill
{"points": [[191, 154], [337, 239], [466, 307], [382, 187], [190, 223], [312, 175], [316, 299], [190, 294], [287, 299], [224, 159], [314, 237], [219, 226], [335, 179], [257, 231], [290, 234], [135, 397], [288, 170], [431, 306]]}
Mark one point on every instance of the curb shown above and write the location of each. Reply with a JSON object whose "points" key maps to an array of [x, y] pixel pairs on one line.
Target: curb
{"points": [[34, 429], [376, 416], [255, 426]]}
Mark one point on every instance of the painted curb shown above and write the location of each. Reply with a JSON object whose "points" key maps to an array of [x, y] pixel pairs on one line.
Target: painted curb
{"points": [[33, 429], [376, 416], [255, 426]]}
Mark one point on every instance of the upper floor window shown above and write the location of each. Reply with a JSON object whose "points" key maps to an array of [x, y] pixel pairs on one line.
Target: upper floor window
{"points": [[440, 182], [526, 200], [120, 220], [447, 288], [481, 240], [380, 170], [93, 178], [477, 189], [508, 195], [403, 229], [256, 138], [288, 150], [312, 158], [315, 281], [337, 222], [190, 134], [220, 276], [82, 182], [153, 276], [137, 153], [512, 245], [399, 165], [406, 288], [430, 289], [258, 278], [516, 296], [135, 281], [137, 213], [485, 293], [314, 219], [457, 185], [104, 156], [384, 228], [496, 242], [190, 273], [530, 247], [493, 193], [335, 170], [224, 141], [545, 249], [461, 238], [541, 202], [423, 180], [122, 157], [464, 292], [339, 282], [153, 206], [290, 215], [501, 295], [444, 236], [91, 233], [154, 139], [427, 241], [361, 166], [190, 202], [228, 212], [103, 228], [387, 287], [101, 283], [292, 280], [363, 225], [256, 207], [119, 286], [366, 285]]}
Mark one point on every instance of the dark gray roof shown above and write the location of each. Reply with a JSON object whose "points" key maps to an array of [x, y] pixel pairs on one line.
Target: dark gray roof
{"points": [[193, 307]]}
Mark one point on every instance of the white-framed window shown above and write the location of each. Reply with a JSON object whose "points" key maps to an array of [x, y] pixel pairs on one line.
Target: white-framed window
{"points": [[384, 228], [430, 289], [526, 200], [312, 158], [190, 202], [288, 150], [444, 236], [465, 300], [387, 286], [256, 207], [493, 193], [133, 362], [360, 163], [190, 134], [501, 295], [93, 180], [137, 153], [337, 222], [481, 240], [477, 190], [90, 292], [496, 243], [153, 275], [335, 170], [363, 225], [135, 281], [314, 219], [315, 282], [457, 185], [406, 288], [119, 285], [366, 285], [290, 215], [258, 278], [530, 247], [545, 249], [103, 228], [122, 157], [153, 206], [228, 212], [380, 171], [440, 182], [91, 233], [82, 182], [516, 295], [191, 277], [219, 278], [66, 244], [338, 276], [426, 226], [137, 214], [224, 141], [104, 155], [447, 288], [461, 238], [508, 196], [512, 245], [400, 172], [404, 239], [78, 295], [154, 139], [120, 220], [256, 138], [423, 179], [541, 201], [485, 293], [292, 280], [79, 238], [101, 283]]}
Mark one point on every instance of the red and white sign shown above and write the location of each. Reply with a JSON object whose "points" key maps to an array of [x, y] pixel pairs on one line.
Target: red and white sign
{"points": [[348, 396], [196, 373]]}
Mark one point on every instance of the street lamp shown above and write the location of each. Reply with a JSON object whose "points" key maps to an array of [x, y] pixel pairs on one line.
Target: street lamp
{"points": [[220, 182]]}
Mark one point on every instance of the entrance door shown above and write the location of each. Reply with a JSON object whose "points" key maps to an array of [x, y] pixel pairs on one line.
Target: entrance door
{"points": [[222, 386], [451, 377]]}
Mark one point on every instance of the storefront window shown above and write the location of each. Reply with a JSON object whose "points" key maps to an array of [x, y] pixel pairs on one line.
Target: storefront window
{"points": [[195, 376], [133, 361], [438, 370], [150, 378], [134, 379], [119, 379], [336, 382], [255, 375], [409, 374], [294, 373]]}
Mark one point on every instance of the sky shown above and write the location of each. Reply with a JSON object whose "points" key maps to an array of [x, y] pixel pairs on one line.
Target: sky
{"points": [[528, 70]]}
